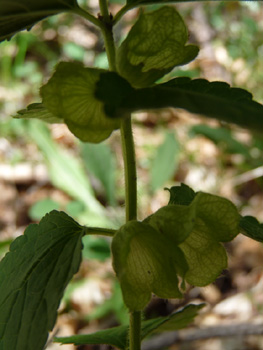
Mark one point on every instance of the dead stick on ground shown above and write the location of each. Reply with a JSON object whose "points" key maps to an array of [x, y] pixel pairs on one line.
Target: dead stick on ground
{"points": [[167, 339]]}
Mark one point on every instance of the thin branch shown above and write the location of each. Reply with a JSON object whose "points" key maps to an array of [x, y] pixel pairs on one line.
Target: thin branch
{"points": [[164, 340]]}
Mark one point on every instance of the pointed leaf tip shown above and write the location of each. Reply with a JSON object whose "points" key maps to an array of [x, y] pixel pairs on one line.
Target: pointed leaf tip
{"points": [[23, 14]]}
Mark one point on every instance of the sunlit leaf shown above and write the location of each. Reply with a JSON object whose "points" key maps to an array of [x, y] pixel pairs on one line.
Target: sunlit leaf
{"points": [[177, 320], [97, 158], [38, 111], [154, 46], [217, 220], [23, 14], [65, 170], [250, 227], [117, 336], [33, 276], [70, 95], [41, 207], [145, 263], [177, 240], [222, 137], [215, 100], [166, 158]]}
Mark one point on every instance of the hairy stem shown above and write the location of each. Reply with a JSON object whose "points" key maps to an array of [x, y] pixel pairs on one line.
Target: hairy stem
{"points": [[129, 163], [99, 231], [135, 331], [129, 169], [79, 11]]}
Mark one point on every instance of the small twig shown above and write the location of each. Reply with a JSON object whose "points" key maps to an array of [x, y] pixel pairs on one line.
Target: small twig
{"points": [[248, 176], [167, 339]]}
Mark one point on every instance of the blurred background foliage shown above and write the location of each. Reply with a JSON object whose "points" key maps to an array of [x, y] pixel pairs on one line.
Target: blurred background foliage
{"points": [[43, 167]]}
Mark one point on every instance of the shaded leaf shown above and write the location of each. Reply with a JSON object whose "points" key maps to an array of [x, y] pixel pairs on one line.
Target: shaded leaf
{"points": [[215, 100], [178, 320], [23, 14], [251, 228], [117, 336], [33, 276], [154, 46], [166, 159], [221, 137], [70, 95], [182, 194], [38, 111]]}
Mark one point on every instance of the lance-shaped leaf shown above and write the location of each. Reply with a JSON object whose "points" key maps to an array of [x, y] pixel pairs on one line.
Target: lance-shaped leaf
{"points": [[38, 111], [211, 99], [33, 276], [145, 263], [250, 227], [217, 220], [154, 46], [117, 336], [70, 95], [23, 14]]}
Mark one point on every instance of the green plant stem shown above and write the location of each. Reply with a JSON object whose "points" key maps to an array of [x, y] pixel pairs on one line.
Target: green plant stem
{"points": [[109, 45], [129, 166], [99, 231], [135, 331], [104, 11], [108, 34], [129, 169], [122, 12], [79, 11]]}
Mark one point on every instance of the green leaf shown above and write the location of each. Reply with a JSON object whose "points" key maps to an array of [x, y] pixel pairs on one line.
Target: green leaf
{"points": [[177, 320], [117, 336], [166, 159], [41, 207], [95, 248], [176, 240], [70, 95], [154, 46], [38, 111], [65, 171], [23, 14], [145, 263], [114, 305], [176, 222], [222, 137], [182, 194], [217, 220], [33, 276], [97, 158], [251, 228], [215, 100]]}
